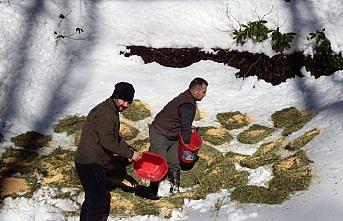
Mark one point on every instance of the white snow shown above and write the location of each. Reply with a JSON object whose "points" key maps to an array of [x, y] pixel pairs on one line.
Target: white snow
{"points": [[44, 79]]}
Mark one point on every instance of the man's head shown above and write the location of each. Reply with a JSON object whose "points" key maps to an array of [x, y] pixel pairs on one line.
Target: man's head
{"points": [[198, 88], [123, 95]]}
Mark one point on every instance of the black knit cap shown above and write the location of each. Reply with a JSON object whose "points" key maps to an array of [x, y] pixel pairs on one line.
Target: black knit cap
{"points": [[124, 91]]}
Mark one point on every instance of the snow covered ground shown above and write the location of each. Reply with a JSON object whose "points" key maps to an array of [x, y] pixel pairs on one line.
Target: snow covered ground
{"points": [[44, 79]]}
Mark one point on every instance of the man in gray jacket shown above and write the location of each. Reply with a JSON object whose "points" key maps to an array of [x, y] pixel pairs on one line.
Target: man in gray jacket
{"points": [[174, 119], [100, 141]]}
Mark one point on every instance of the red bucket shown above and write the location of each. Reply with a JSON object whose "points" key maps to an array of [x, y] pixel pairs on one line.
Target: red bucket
{"points": [[188, 153], [151, 166]]}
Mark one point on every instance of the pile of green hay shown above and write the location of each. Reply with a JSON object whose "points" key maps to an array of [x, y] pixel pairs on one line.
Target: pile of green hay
{"points": [[77, 137], [291, 119], [302, 140], [220, 174], [290, 174], [215, 136], [233, 120], [128, 132], [12, 160], [31, 140], [56, 169], [236, 157], [141, 145], [70, 124], [206, 154], [197, 116], [137, 111], [267, 153], [254, 134]]}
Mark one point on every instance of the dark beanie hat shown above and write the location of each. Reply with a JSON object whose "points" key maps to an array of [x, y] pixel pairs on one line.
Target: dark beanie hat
{"points": [[124, 91]]}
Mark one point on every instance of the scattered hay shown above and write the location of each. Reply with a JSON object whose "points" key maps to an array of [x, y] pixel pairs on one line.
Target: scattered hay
{"points": [[13, 186], [290, 174], [120, 205], [137, 111], [13, 160], [128, 132], [267, 153], [57, 170], [220, 174], [254, 134], [258, 194], [254, 162], [215, 136], [209, 153], [134, 205], [141, 145], [236, 157], [192, 177], [31, 140], [233, 120], [77, 137], [293, 163], [197, 116], [19, 154], [70, 124], [270, 147], [302, 140], [291, 119]]}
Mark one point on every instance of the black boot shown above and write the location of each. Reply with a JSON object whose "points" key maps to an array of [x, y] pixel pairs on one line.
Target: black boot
{"points": [[149, 192], [174, 179]]}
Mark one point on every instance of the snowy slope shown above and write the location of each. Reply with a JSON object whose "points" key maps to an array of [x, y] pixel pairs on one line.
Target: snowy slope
{"points": [[43, 79]]}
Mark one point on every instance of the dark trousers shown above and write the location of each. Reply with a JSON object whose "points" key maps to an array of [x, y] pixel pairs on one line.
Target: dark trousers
{"points": [[168, 148], [96, 206]]}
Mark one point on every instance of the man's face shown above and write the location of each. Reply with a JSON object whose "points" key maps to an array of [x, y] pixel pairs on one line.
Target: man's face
{"points": [[121, 104], [200, 92]]}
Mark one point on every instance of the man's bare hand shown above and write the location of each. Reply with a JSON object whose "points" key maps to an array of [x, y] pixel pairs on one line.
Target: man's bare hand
{"points": [[136, 156]]}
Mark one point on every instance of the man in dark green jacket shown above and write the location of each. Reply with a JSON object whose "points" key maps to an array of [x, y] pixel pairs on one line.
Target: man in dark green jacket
{"points": [[174, 119], [100, 141]]}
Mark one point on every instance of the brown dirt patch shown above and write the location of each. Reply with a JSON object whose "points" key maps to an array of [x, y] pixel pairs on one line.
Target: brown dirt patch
{"points": [[13, 185], [275, 70]]}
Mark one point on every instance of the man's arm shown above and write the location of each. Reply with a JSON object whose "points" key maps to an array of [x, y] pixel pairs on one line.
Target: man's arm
{"points": [[187, 112], [111, 141]]}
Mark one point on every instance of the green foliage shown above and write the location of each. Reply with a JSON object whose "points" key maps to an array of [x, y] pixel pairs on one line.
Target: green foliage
{"points": [[70, 124], [31, 140], [327, 60], [255, 30], [281, 41]]}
